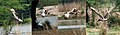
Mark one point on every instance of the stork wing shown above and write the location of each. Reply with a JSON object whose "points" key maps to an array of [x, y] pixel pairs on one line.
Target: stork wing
{"points": [[72, 10], [108, 12], [78, 11], [17, 17], [96, 12], [117, 13]]}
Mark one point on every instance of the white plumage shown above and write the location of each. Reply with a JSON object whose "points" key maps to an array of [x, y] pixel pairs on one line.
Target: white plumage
{"points": [[13, 12], [67, 15], [73, 11], [102, 18], [43, 14]]}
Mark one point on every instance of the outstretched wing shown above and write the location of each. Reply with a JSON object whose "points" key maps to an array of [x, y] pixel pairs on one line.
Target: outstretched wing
{"points": [[94, 10], [109, 12], [16, 17]]}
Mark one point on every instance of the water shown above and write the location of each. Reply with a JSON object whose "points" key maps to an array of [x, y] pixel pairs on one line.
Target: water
{"points": [[2, 31], [73, 26], [52, 20], [21, 29]]}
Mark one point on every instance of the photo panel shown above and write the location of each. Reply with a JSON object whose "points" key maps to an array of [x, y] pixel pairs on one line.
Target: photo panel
{"points": [[102, 17], [15, 17], [59, 17]]}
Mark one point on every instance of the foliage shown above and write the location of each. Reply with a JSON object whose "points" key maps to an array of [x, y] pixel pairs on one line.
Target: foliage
{"points": [[27, 20], [100, 3], [82, 12], [113, 21], [105, 4], [6, 17], [47, 3]]}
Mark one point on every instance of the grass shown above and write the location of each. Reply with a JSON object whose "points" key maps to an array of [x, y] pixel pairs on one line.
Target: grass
{"points": [[109, 33], [61, 32], [27, 20], [112, 31]]}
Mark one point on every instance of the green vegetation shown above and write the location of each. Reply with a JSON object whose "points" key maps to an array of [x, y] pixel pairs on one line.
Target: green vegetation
{"points": [[110, 32], [6, 16], [27, 20], [43, 3], [113, 20], [105, 4], [49, 2]]}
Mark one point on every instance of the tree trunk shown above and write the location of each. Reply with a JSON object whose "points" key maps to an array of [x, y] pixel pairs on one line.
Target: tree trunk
{"points": [[87, 16], [33, 11]]}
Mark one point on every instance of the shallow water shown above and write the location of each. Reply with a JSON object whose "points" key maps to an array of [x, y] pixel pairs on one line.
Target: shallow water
{"points": [[72, 26], [52, 20], [21, 29]]}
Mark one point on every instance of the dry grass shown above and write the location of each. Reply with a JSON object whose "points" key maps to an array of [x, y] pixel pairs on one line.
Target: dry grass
{"points": [[81, 31], [61, 32], [94, 31], [69, 6]]}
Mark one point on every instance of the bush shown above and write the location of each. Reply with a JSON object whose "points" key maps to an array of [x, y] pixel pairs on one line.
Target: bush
{"points": [[114, 21], [27, 20]]}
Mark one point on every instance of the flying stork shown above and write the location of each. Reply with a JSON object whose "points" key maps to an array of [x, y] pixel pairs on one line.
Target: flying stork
{"points": [[66, 15], [102, 18], [16, 17], [74, 11]]}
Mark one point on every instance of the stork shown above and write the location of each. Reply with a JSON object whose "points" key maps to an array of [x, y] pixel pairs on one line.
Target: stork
{"points": [[103, 26], [102, 18], [66, 15], [74, 11], [16, 17]]}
